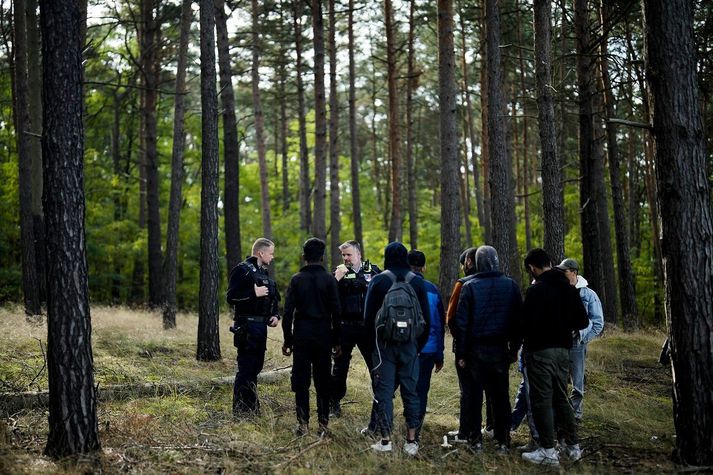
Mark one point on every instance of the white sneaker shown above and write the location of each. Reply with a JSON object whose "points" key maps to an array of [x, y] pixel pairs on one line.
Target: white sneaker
{"points": [[411, 448], [573, 452], [487, 434], [542, 457], [379, 447]]}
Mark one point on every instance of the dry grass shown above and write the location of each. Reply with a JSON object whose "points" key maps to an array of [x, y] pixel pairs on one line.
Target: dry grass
{"points": [[627, 414]]}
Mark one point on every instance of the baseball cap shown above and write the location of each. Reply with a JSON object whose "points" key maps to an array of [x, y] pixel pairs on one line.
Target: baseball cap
{"points": [[568, 264]]}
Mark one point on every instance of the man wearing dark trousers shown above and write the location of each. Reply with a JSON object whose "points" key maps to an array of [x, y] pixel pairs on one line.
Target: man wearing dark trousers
{"points": [[397, 360], [353, 277], [255, 297], [552, 310], [312, 304], [487, 342]]}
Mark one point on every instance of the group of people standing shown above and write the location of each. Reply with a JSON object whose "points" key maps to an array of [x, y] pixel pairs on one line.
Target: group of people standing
{"points": [[396, 319]]}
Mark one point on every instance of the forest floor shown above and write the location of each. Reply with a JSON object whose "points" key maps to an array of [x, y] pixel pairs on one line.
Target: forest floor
{"points": [[188, 428]]}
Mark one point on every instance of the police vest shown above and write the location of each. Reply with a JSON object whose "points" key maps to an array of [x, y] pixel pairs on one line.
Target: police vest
{"points": [[258, 306], [352, 291]]}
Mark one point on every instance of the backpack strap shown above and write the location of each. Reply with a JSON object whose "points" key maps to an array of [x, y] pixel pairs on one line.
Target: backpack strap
{"points": [[409, 277], [390, 275]]}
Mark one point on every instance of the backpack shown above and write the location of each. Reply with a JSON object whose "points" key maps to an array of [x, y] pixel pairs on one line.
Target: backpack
{"points": [[400, 314]]}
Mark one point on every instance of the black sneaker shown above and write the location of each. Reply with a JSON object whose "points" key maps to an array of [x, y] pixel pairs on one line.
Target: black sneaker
{"points": [[335, 409], [301, 430]]}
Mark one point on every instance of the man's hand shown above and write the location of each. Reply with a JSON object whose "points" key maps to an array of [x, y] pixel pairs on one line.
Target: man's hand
{"points": [[439, 366], [286, 350], [337, 351], [273, 321], [340, 271], [461, 363], [261, 291]]}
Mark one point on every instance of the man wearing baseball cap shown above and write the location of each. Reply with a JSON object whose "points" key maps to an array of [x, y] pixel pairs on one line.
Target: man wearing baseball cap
{"points": [[578, 352]]}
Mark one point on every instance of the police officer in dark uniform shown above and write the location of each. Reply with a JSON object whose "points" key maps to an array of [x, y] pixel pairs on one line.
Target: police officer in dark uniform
{"points": [[255, 297], [353, 278]]}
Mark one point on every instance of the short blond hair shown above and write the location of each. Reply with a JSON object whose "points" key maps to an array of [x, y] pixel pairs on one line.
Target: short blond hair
{"points": [[260, 244]]}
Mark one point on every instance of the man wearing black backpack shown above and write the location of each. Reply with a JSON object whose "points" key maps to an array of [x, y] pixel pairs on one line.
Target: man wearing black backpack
{"points": [[397, 316]]}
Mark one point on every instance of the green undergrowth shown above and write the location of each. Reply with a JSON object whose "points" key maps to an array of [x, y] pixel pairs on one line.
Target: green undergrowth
{"points": [[627, 422]]}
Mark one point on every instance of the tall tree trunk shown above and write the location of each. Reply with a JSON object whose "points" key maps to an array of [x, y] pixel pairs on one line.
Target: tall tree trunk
{"points": [[208, 348], [463, 180], [231, 160], [73, 424], [501, 183], [686, 222], [450, 164], [319, 225], [30, 286], [552, 193], [260, 123], [116, 192], [396, 219], [34, 81], [177, 174], [470, 124], [334, 210], [627, 290], [591, 190], [281, 88], [410, 159], [150, 64], [485, 139], [353, 131], [525, 142], [305, 186]]}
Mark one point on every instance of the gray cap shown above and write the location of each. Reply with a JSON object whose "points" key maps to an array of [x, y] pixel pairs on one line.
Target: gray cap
{"points": [[568, 264]]}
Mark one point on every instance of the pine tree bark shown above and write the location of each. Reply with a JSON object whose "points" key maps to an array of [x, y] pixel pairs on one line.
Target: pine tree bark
{"points": [[686, 223], [501, 183], [627, 291], [334, 207], [30, 283], [450, 163], [260, 122], [485, 140], [396, 219], [305, 186], [410, 159], [525, 178], [231, 147], [208, 348], [319, 225], [150, 65], [34, 81], [73, 426], [470, 124], [355, 156], [170, 264], [552, 193]]}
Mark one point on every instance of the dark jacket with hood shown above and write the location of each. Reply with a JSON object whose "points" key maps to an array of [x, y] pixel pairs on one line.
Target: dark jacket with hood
{"points": [[395, 260], [552, 310], [488, 309]]}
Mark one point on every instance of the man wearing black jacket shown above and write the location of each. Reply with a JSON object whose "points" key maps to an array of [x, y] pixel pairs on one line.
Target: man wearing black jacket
{"points": [[312, 302], [552, 310], [392, 359]]}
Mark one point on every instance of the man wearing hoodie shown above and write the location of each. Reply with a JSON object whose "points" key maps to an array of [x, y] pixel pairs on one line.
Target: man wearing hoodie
{"points": [[578, 352], [431, 354], [486, 342], [551, 311], [392, 359]]}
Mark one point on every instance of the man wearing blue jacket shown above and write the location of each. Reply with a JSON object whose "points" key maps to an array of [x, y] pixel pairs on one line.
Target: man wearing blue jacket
{"points": [[487, 343], [578, 352], [431, 355], [392, 360]]}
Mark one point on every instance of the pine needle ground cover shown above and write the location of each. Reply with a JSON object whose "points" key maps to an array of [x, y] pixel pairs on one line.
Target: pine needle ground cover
{"points": [[173, 414]]}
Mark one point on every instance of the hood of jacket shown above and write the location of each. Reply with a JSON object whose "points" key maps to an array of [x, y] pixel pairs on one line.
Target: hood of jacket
{"points": [[395, 256], [581, 282], [486, 259]]}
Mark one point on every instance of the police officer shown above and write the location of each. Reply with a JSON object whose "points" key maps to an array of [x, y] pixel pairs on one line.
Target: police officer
{"points": [[353, 278], [255, 297]]}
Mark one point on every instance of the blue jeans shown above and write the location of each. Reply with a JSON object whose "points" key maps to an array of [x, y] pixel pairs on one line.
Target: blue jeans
{"points": [[577, 355], [426, 362], [522, 407], [392, 361]]}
